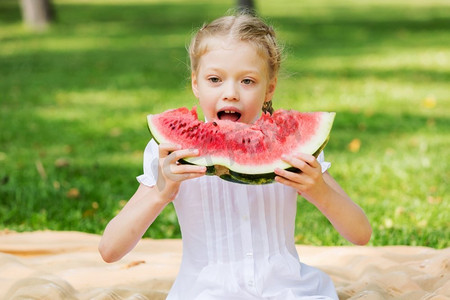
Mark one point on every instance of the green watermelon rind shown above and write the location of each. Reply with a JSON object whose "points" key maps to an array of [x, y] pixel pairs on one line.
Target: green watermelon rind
{"points": [[254, 174]]}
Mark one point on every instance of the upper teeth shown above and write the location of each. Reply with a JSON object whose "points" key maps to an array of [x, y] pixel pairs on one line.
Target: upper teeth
{"points": [[229, 112]]}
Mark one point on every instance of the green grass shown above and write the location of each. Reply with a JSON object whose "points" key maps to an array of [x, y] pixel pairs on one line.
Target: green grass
{"points": [[73, 103]]}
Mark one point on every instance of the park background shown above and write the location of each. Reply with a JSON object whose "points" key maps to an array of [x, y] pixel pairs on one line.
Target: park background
{"points": [[74, 100]]}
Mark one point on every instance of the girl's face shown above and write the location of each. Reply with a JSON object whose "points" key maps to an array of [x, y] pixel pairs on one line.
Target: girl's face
{"points": [[232, 81]]}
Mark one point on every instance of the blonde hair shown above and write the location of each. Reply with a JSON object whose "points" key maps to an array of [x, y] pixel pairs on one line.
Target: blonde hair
{"points": [[242, 27]]}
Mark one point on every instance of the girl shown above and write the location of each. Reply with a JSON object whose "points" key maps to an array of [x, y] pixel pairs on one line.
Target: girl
{"points": [[238, 240]]}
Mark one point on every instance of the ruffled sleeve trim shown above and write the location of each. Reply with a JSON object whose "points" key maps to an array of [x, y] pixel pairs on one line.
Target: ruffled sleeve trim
{"points": [[151, 157], [324, 164]]}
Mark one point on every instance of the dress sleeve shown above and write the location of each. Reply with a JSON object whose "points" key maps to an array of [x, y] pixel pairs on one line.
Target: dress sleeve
{"points": [[324, 164], [151, 157]]}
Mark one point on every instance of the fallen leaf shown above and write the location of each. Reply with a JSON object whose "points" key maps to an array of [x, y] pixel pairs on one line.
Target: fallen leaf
{"points": [[354, 145], [429, 102], [73, 193], [41, 170], [61, 162]]}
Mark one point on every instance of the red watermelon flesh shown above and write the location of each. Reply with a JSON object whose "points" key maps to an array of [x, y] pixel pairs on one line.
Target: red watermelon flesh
{"points": [[244, 148]]}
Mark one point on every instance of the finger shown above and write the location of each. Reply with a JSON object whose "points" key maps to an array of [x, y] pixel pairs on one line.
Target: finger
{"points": [[174, 156], [291, 176], [179, 154], [298, 163], [309, 159], [185, 169], [287, 182], [306, 163], [192, 175], [171, 165], [184, 176], [165, 149]]}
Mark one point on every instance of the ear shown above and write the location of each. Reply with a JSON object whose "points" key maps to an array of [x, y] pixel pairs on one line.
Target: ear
{"points": [[271, 89], [194, 84]]}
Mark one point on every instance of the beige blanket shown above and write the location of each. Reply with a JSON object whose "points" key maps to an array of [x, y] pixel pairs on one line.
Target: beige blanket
{"points": [[66, 265]]}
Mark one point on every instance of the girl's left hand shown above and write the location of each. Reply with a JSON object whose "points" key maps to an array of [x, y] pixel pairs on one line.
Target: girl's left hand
{"points": [[309, 182]]}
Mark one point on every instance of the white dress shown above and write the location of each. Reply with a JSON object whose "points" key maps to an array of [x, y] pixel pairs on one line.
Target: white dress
{"points": [[238, 240]]}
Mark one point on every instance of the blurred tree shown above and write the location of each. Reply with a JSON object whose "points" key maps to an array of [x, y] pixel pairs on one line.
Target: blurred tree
{"points": [[37, 14], [247, 6]]}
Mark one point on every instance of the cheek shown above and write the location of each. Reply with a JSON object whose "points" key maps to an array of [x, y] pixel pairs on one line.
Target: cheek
{"points": [[208, 107]]}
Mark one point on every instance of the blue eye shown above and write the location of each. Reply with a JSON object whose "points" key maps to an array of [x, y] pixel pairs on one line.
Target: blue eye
{"points": [[214, 79]]}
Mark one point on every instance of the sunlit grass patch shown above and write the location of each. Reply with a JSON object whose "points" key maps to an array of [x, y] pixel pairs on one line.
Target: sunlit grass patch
{"points": [[74, 100]]}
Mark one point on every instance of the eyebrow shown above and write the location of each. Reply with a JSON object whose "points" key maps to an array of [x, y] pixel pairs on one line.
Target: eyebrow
{"points": [[248, 71]]}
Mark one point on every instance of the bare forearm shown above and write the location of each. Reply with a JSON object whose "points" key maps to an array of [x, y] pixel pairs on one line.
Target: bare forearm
{"points": [[345, 215], [327, 195], [348, 219], [125, 230]]}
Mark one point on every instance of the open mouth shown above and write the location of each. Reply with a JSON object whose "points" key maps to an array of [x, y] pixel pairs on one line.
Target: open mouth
{"points": [[229, 115]]}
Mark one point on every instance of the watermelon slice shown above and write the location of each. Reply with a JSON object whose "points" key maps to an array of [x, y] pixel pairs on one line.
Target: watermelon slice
{"points": [[239, 152]]}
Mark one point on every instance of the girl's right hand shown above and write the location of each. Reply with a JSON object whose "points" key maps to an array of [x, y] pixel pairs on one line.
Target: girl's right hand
{"points": [[171, 173]]}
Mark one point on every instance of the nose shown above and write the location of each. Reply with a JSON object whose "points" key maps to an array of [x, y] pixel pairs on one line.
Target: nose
{"points": [[231, 92]]}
